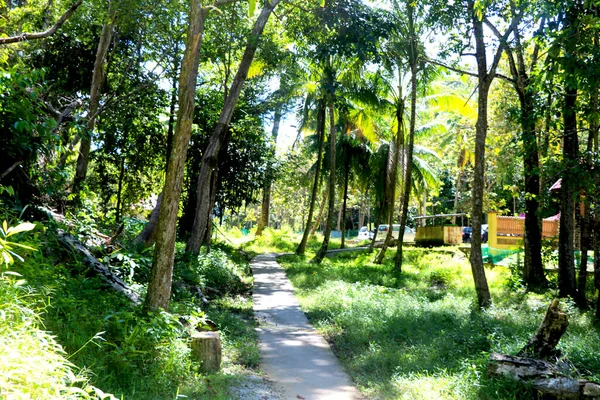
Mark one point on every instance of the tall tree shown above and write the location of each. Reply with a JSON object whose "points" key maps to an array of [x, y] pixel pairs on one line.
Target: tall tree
{"points": [[321, 107], [208, 173], [533, 272], [98, 80]]}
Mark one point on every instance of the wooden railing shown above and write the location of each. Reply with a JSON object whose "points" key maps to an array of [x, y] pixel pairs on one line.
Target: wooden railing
{"points": [[511, 226], [549, 228], [515, 226]]}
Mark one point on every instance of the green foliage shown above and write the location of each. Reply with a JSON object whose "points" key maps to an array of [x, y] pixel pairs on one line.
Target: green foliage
{"points": [[7, 247], [214, 272]]}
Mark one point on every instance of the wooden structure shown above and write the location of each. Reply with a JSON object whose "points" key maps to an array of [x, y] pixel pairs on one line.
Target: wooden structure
{"points": [[508, 232], [437, 232]]}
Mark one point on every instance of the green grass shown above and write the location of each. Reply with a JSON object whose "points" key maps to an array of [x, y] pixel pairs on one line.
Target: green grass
{"points": [[417, 334], [85, 334]]}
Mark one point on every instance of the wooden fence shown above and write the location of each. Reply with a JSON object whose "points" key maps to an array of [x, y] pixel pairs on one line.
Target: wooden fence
{"points": [[515, 226]]}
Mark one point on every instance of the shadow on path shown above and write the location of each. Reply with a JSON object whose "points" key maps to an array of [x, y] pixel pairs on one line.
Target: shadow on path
{"points": [[294, 356]]}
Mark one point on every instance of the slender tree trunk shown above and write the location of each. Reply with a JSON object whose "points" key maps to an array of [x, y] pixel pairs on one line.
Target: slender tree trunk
{"points": [[346, 178], [148, 235], [595, 128], [172, 106], [210, 157], [159, 287], [533, 269], [566, 259], [321, 132], [481, 286], [328, 225], [98, 79], [320, 215], [411, 139], [377, 220], [120, 190], [263, 222], [392, 177]]}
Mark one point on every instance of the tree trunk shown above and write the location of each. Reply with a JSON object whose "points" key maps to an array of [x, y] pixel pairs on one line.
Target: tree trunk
{"points": [[553, 326], [595, 128], [171, 125], [346, 178], [566, 259], [159, 287], [392, 177], [325, 245], [98, 79], [120, 190], [320, 215], [263, 222], [210, 157], [321, 132], [411, 139], [148, 235], [533, 271], [481, 286]]}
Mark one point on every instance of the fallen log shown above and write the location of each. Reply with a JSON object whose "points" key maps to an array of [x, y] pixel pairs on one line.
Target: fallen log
{"points": [[549, 380], [100, 269]]}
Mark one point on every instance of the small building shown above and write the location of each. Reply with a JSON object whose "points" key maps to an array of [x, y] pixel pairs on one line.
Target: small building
{"points": [[437, 230]]}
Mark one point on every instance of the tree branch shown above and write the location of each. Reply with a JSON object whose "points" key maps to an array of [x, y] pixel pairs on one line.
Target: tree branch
{"points": [[462, 71], [9, 170], [41, 35]]}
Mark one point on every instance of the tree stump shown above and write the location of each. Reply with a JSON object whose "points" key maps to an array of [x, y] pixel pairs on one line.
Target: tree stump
{"points": [[542, 345], [206, 348]]}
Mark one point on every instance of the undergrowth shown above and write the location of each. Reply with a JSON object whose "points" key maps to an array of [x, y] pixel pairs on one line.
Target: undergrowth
{"points": [[75, 334]]}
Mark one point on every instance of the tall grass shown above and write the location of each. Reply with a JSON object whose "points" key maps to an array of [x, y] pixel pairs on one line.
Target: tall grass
{"points": [[115, 345], [33, 365], [417, 334]]}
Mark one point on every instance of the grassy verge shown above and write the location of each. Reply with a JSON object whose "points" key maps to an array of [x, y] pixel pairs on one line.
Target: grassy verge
{"points": [[416, 334], [85, 336]]}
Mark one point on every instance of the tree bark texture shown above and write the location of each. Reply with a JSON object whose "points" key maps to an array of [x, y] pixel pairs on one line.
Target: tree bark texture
{"points": [[159, 287], [206, 348], [210, 157], [98, 79], [148, 235], [320, 214], [411, 140], [263, 222], [566, 258], [543, 344], [545, 378], [331, 208], [344, 202], [392, 178], [311, 208], [481, 286]]}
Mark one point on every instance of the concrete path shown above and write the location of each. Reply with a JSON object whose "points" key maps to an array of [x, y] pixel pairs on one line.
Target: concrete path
{"points": [[294, 356]]}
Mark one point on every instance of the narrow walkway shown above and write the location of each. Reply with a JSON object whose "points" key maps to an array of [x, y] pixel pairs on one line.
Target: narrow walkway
{"points": [[294, 356]]}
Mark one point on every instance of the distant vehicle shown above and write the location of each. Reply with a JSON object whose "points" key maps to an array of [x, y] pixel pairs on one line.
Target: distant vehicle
{"points": [[484, 233], [409, 233], [466, 234], [365, 234]]}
